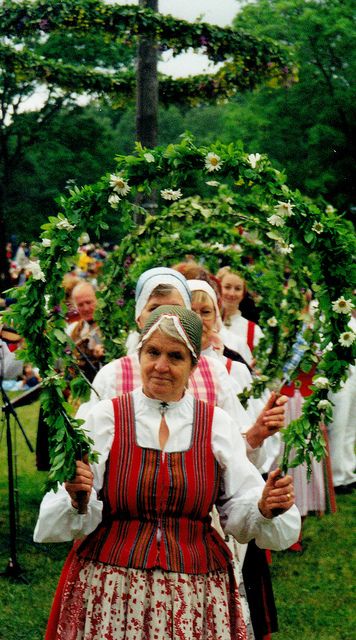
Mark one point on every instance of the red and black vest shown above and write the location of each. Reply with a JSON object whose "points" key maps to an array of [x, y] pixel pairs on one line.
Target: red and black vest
{"points": [[157, 504]]}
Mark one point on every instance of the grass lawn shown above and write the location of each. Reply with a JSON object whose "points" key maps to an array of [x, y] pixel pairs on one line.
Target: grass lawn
{"points": [[313, 591]]}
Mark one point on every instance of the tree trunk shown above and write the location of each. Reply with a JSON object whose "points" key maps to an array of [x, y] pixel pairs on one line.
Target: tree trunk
{"points": [[147, 87]]}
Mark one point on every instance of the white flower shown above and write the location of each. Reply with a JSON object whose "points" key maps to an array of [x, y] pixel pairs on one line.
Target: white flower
{"points": [[119, 185], [324, 404], [213, 162], [284, 209], [36, 271], [321, 383], [318, 227], [171, 194], [114, 200], [46, 242], [347, 338], [65, 224], [285, 248], [272, 322], [342, 306], [284, 304], [213, 183], [276, 221], [330, 209], [149, 157], [253, 158]]}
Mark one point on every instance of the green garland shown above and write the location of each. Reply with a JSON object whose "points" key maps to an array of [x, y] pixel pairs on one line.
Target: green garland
{"points": [[281, 227], [248, 59]]}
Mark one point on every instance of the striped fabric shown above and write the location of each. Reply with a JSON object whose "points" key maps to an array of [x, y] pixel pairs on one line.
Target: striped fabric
{"points": [[203, 382], [156, 505]]}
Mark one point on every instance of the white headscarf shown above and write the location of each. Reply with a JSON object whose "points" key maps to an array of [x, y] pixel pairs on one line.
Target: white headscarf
{"points": [[152, 278], [202, 285]]}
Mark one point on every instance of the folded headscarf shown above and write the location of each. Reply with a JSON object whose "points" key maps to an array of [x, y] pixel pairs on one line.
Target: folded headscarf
{"points": [[203, 285], [187, 323], [152, 278]]}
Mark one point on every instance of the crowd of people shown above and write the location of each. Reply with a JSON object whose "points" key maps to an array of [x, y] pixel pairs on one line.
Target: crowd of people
{"points": [[187, 500]]}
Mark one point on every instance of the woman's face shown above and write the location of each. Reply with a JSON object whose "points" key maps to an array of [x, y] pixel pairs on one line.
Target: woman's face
{"points": [[206, 311], [156, 301], [232, 291], [166, 365]]}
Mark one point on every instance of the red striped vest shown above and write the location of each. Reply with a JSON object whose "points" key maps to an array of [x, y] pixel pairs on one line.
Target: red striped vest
{"points": [[203, 382], [156, 506]]}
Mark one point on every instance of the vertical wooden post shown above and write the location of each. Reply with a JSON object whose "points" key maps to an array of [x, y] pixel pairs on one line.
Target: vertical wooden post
{"points": [[147, 86]]}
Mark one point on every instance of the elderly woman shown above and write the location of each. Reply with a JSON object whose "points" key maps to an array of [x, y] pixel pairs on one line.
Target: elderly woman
{"points": [[150, 565]]}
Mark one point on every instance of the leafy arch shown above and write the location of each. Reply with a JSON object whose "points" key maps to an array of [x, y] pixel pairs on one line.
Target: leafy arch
{"points": [[236, 190]]}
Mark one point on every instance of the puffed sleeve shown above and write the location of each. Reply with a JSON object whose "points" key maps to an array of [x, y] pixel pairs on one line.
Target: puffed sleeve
{"points": [[58, 521], [241, 490]]}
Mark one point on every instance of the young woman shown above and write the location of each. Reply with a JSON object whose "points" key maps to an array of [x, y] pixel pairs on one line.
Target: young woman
{"points": [[233, 292]]}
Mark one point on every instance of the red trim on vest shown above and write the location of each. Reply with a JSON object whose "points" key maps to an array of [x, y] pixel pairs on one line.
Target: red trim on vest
{"points": [[228, 365], [156, 506], [250, 333]]}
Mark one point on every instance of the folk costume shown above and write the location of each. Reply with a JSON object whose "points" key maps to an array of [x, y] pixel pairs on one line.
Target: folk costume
{"points": [[151, 566], [314, 495], [249, 331]]}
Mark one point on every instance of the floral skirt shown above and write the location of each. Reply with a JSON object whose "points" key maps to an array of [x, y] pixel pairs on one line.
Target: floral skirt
{"points": [[102, 602]]}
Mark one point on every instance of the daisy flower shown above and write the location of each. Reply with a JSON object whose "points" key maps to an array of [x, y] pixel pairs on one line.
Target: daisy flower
{"points": [[318, 227], [276, 221], [285, 248], [347, 338], [321, 383], [253, 158], [114, 200], [342, 306], [36, 271], [213, 162], [65, 224], [284, 209], [324, 404], [171, 194], [272, 322], [119, 185]]}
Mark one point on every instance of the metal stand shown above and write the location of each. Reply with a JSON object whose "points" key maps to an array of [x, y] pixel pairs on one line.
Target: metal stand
{"points": [[13, 569]]}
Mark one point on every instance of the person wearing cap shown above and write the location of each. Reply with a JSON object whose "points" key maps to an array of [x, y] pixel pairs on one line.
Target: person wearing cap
{"points": [[209, 381], [147, 563]]}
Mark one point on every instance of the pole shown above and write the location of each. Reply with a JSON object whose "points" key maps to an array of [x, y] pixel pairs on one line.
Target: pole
{"points": [[147, 86]]}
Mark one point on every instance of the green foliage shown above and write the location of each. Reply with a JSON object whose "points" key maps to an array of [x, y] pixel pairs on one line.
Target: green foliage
{"points": [[309, 127], [249, 192], [250, 59]]}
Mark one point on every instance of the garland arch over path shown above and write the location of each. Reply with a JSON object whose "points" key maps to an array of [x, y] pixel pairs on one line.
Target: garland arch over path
{"points": [[200, 197], [248, 60]]}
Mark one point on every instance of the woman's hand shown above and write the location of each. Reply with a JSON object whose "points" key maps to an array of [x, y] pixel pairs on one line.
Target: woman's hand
{"points": [[82, 482], [278, 493], [270, 420]]}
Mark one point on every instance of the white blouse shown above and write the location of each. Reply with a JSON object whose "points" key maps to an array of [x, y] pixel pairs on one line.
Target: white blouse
{"points": [[238, 326], [241, 487]]}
